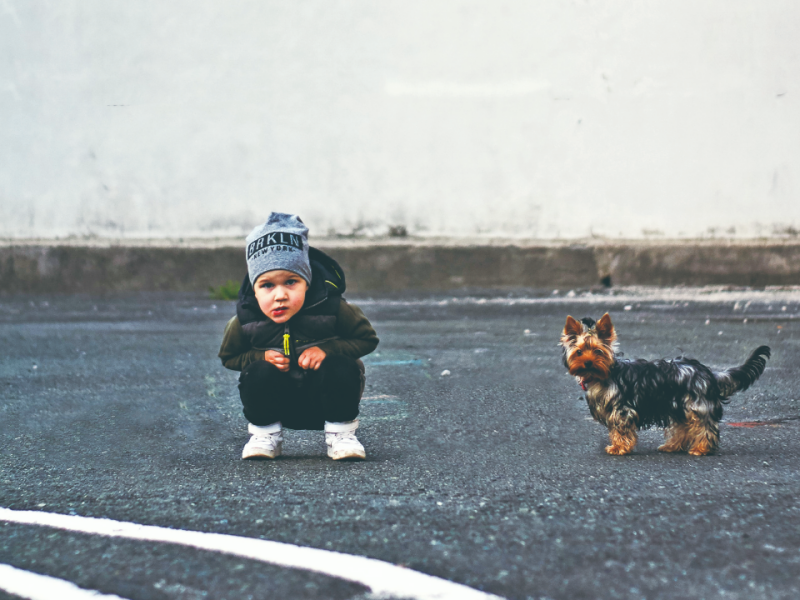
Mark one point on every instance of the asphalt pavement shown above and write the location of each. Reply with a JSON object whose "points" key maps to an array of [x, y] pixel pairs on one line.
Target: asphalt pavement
{"points": [[483, 467]]}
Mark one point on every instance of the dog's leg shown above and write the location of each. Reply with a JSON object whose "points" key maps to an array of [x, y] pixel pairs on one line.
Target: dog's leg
{"points": [[622, 432], [677, 438], [703, 435], [622, 441]]}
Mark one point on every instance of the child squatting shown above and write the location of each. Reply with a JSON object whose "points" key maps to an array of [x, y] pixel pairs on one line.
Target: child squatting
{"points": [[297, 343]]}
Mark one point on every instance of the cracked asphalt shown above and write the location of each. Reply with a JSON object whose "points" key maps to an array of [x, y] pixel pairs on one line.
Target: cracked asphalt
{"points": [[492, 476]]}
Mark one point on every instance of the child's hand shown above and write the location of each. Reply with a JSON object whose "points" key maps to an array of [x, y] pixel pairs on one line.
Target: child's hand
{"points": [[276, 358], [311, 358]]}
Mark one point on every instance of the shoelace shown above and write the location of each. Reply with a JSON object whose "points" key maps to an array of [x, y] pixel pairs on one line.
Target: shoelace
{"points": [[346, 437], [265, 440]]}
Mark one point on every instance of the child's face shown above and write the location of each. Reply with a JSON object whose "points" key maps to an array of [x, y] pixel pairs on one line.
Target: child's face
{"points": [[280, 294]]}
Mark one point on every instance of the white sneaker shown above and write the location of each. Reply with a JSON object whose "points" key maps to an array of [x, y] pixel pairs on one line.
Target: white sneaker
{"points": [[265, 442], [342, 441]]}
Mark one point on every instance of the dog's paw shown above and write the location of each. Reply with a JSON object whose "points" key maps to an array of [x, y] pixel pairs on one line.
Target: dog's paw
{"points": [[617, 450], [669, 448], [701, 448], [700, 451]]}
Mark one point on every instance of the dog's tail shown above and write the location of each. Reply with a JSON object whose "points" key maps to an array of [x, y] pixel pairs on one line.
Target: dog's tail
{"points": [[740, 378]]}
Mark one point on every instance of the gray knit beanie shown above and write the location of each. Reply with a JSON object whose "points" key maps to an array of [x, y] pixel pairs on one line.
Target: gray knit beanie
{"points": [[280, 243]]}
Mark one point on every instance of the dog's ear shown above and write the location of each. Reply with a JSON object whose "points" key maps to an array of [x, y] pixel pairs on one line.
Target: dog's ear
{"points": [[605, 329], [573, 328]]}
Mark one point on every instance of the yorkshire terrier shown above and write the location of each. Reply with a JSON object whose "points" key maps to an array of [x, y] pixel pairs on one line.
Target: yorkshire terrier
{"points": [[682, 395]]}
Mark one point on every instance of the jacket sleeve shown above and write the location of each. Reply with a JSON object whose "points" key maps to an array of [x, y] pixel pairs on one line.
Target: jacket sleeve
{"points": [[356, 336], [235, 353]]}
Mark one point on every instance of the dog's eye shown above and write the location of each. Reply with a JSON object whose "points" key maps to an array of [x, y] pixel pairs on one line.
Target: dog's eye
{"points": [[598, 351], [578, 352]]}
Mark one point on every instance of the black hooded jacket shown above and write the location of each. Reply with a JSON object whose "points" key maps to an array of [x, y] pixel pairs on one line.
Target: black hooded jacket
{"points": [[326, 320]]}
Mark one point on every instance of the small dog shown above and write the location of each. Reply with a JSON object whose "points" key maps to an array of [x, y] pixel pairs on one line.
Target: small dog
{"points": [[682, 395]]}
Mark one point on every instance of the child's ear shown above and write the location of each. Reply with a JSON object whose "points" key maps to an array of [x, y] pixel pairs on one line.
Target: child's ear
{"points": [[605, 329], [573, 328]]}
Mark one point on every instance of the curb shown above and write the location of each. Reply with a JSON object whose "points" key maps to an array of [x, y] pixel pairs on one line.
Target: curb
{"points": [[389, 265]]}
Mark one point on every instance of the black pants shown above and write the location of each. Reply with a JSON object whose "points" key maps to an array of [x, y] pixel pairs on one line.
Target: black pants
{"points": [[302, 399]]}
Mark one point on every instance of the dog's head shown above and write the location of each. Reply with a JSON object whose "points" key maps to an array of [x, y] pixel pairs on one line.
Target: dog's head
{"points": [[589, 348]]}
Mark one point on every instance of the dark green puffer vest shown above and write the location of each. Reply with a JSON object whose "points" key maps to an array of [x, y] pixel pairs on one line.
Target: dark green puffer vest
{"points": [[313, 324]]}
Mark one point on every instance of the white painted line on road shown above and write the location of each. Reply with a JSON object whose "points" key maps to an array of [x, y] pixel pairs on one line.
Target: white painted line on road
{"points": [[33, 586], [382, 578], [627, 295]]}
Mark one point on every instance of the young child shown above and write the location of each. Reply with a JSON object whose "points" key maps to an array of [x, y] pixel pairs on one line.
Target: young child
{"points": [[297, 343]]}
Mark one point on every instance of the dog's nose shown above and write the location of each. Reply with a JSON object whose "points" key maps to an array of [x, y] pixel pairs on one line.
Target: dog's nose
{"points": [[587, 364]]}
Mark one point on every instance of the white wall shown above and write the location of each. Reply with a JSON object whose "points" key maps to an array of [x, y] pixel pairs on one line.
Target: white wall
{"points": [[546, 118]]}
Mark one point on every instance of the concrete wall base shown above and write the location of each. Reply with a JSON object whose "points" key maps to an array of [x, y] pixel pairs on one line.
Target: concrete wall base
{"points": [[387, 265]]}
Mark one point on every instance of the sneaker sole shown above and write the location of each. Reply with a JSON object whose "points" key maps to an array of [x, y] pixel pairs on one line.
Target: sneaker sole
{"points": [[260, 457], [353, 456]]}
